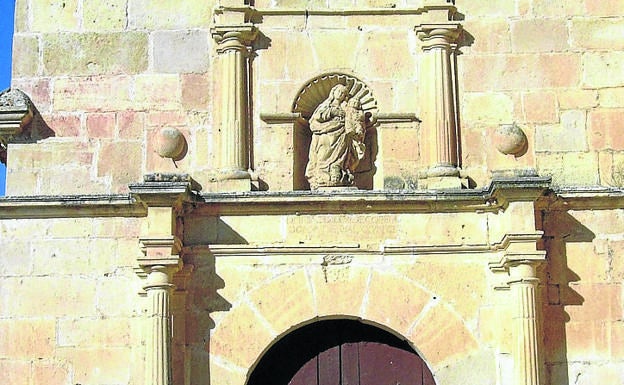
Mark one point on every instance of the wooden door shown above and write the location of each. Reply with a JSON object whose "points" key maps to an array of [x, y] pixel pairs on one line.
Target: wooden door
{"points": [[364, 363], [341, 352]]}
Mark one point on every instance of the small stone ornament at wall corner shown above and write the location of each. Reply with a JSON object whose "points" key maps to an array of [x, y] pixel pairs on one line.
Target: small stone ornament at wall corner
{"points": [[510, 139], [171, 143]]}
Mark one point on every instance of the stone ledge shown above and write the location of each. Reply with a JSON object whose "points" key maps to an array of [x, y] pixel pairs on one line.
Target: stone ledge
{"points": [[69, 206]]}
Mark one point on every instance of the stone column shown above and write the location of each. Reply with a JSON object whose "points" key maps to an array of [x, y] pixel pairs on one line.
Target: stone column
{"points": [[523, 286], [439, 101], [234, 48], [158, 360]]}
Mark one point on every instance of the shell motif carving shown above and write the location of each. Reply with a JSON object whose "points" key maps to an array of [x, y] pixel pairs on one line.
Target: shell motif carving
{"points": [[316, 91]]}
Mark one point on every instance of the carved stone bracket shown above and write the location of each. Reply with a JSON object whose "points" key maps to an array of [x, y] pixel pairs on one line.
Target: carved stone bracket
{"points": [[16, 111]]}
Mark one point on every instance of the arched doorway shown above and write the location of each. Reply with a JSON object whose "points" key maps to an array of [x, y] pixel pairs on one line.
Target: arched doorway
{"points": [[340, 352]]}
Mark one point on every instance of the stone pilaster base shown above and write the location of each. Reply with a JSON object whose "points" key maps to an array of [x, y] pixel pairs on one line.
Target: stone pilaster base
{"points": [[442, 182]]}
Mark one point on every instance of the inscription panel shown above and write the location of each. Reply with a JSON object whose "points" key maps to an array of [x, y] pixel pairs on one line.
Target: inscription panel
{"points": [[340, 229]]}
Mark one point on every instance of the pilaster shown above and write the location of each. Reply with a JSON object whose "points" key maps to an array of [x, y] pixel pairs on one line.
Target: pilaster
{"points": [[439, 103], [164, 196], [234, 47], [521, 262]]}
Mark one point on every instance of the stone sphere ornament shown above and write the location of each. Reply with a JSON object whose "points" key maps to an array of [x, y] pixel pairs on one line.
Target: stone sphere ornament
{"points": [[171, 144], [509, 139]]}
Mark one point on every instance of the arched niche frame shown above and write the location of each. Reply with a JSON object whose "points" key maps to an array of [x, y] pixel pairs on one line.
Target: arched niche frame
{"points": [[313, 93], [340, 351]]}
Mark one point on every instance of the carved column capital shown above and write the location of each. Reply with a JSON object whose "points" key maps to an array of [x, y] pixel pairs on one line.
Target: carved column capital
{"points": [[442, 35], [234, 38]]}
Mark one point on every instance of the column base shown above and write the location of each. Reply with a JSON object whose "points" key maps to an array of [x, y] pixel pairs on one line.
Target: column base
{"points": [[228, 181], [443, 183], [229, 185]]}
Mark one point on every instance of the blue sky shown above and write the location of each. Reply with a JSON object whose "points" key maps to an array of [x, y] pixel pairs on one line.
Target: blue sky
{"points": [[7, 10]]}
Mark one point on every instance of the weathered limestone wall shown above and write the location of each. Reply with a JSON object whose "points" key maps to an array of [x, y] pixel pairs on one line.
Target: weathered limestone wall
{"points": [[554, 68], [583, 309], [106, 77], [70, 310]]}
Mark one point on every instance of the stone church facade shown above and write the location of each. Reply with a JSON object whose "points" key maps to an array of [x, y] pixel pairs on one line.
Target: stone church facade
{"points": [[236, 192]]}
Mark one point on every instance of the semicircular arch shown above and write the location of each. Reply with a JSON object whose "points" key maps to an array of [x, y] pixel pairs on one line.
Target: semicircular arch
{"points": [[340, 349]]}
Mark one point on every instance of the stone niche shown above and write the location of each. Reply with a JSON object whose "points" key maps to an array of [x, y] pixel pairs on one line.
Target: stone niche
{"points": [[335, 138]]}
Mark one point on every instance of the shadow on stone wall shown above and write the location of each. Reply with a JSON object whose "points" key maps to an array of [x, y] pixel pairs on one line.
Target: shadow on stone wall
{"points": [[192, 361], [560, 229]]}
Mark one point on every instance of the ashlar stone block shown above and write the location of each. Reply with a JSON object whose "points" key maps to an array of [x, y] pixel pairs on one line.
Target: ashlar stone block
{"points": [[399, 310], [603, 69], [490, 107], [54, 16], [169, 14], [98, 365], [442, 336], [569, 135], [97, 93], [521, 72], [605, 129], [94, 53], [597, 33], [240, 324], [286, 301], [604, 7], [104, 15], [491, 35], [540, 107], [335, 48], [180, 51], [25, 55], [27, 339], [539, 35], [15, 372]]}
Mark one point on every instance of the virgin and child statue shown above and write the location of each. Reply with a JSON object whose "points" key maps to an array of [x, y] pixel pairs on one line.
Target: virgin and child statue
{"points": [[338, 128]]}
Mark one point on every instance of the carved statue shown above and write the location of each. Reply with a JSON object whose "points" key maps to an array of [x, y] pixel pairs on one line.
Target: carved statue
{"points": [[338, 128]]}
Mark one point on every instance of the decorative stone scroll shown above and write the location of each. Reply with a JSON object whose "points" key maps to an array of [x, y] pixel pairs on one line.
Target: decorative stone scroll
{"points": [[339, 109]]}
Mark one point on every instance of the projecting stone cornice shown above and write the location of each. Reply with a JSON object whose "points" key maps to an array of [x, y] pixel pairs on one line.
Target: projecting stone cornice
{"points": [[170, 193], [493, 198]]}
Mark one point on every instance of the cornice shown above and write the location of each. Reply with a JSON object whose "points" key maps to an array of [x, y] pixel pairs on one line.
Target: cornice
{"points": [[69, 206], [583, 198], [175, 190]]}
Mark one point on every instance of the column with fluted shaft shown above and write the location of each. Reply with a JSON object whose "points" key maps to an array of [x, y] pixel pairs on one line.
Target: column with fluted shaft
{"points": [[523, 286], [438, 101], [234, 50], [158, 360]]}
